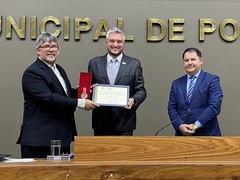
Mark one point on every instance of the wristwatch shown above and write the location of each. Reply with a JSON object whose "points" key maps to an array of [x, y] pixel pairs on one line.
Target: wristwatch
{"points": [[195, 126]]}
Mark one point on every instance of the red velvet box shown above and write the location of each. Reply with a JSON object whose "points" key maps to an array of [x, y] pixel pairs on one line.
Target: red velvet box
{"points": [[84, 88]]}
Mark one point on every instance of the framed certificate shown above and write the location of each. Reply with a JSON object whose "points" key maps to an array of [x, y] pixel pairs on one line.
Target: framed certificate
{"points": [[110, 95]]}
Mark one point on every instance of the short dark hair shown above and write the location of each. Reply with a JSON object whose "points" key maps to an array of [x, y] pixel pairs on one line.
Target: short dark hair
{"points": [[192, 49]]}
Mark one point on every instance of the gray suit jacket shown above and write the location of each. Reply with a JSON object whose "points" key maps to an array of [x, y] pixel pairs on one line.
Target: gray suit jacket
{"points": [[130, 73]]}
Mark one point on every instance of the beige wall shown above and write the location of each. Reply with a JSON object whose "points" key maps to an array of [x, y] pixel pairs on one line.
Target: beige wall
{"points": [[161, 60]]}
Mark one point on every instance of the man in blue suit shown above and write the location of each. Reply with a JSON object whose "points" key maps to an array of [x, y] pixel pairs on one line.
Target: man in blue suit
{"points": [[193, 106], [107, 120], [49, 103]]}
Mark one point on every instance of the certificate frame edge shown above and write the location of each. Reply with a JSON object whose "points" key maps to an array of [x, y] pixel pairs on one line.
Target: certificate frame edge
{"points": [[111, 105]]}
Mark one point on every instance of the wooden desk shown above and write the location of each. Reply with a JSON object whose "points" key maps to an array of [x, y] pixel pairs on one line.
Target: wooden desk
{"points": [[120, 171], [138, 158]]}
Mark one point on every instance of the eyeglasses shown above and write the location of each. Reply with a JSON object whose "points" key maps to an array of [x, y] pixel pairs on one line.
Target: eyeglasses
{"points": [[48, 47]]}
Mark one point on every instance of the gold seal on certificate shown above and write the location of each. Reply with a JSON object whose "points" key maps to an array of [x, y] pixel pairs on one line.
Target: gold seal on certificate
{"points": [[84, 94]]}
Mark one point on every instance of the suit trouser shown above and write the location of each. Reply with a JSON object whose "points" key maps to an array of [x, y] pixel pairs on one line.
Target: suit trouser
{"points": [[112, 133]]}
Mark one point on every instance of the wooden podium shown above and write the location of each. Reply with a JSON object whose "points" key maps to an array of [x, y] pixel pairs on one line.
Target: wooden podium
{"points": [[157, 149], [138, 158], [147, 157]]}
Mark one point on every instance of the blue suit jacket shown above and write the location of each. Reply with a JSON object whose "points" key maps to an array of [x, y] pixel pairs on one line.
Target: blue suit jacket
{"points": [[130, 73], [205, 104], [48, 111]]}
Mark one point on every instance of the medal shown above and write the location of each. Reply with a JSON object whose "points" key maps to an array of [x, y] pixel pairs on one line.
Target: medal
{"points": [[84, 94]]}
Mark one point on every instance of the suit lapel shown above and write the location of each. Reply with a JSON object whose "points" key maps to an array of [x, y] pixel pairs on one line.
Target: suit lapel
{"points": [[103, 66], [49, 71], [122, 67], [65, 79], [184, 89]]}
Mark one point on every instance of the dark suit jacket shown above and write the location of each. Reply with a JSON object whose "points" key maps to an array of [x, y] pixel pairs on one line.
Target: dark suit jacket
{"points": [[48, 111], [130, 73], [205, 104]]}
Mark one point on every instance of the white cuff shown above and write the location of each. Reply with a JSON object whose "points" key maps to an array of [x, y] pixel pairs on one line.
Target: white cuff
{"points": [[81, 103]]}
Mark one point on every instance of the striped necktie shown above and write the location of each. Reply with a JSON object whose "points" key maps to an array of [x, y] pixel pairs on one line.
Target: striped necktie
{"points": [[190, 88]]}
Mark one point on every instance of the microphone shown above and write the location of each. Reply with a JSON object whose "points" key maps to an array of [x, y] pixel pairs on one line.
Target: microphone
{"points": [[188, 114]]}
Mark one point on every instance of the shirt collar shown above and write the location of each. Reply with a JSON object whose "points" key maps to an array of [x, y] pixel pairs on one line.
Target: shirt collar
{"points": [[119, 58], [49, 65], [196, 75]]}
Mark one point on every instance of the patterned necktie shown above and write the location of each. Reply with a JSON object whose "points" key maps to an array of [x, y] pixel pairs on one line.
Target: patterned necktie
{"points": [[190, 88], [113, 69]]}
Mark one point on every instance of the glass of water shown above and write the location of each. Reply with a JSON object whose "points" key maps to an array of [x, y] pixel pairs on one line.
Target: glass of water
{"points": [[55, 147]]}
